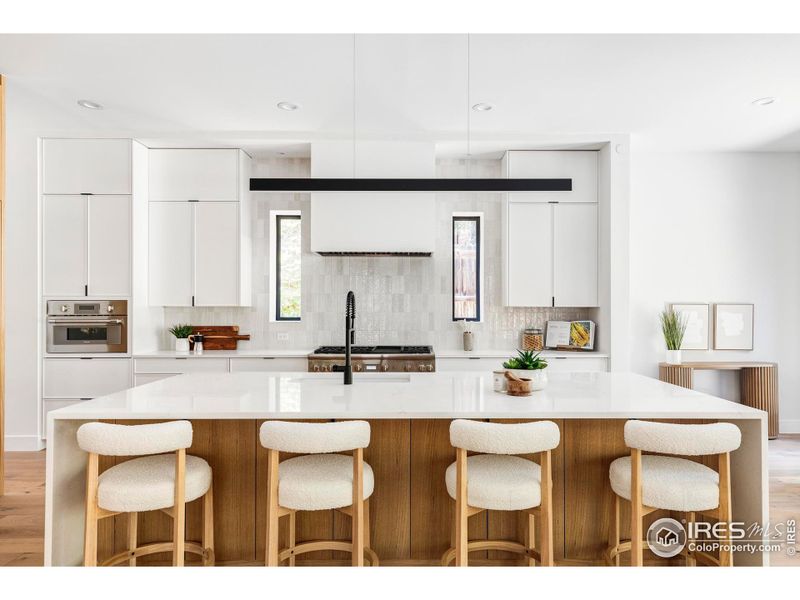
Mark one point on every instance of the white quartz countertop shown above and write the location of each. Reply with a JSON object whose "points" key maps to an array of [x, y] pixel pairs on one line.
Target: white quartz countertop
{"points": [[303, 352], [445, 395]]}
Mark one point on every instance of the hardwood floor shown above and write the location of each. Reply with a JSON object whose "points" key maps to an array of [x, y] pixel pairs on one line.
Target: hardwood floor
{"points": [[22, 507]]}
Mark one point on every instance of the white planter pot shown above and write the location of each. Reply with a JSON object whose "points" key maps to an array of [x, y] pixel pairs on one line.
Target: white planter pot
{"points": [[538, 377], [674, 357], [182, 345]]}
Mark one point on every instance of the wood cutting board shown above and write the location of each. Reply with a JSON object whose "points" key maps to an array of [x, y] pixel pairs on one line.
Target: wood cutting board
{"points": [[220, 337]]}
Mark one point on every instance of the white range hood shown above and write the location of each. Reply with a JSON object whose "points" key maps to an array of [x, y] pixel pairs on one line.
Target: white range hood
{"points": [[373, 223]]}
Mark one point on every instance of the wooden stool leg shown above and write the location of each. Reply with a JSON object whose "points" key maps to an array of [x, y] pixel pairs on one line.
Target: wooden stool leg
{"points": [[292, 535], [271, 559], [546, 528], [208, 527], [637, 552], [725, 555], [179, 510], [531, 538], [133, 524], [690, 561], [461, 509], [613, 527], [367, 533], [358, 507], [90, 526]]}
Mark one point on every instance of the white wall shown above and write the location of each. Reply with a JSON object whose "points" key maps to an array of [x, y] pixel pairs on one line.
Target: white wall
{"points": [[719, 228], [27, 118]]}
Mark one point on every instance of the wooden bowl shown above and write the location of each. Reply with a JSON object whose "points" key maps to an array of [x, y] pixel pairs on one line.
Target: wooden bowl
{"points": [[517, 386]]}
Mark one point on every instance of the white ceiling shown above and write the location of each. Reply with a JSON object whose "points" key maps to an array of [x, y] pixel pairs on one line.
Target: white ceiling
{"points": [[689, 92]]}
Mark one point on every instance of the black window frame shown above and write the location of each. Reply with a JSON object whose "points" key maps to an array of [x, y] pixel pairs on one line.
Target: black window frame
{"points": [[478, 266], [278, 219]]}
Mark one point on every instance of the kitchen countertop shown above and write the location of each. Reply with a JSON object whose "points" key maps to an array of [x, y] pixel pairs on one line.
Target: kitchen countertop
{"points": [[303, 352], [302, 395]]}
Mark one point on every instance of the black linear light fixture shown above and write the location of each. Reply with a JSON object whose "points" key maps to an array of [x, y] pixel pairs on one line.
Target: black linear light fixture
{"points": [[316, 184]]}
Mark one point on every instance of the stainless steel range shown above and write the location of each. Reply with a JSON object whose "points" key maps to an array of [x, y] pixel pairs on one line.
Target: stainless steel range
{"points": [[375, 359]]}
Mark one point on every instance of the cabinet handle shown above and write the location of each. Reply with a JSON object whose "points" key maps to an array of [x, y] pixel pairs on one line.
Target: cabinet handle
{"points": [[192, 300], [193, 200], [87, 194], [473, 357], [267, 358], [85, 289], [554, 301]]}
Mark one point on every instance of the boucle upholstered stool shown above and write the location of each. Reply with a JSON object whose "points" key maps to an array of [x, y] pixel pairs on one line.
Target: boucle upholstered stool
{"points": [[321, 480], [156, 481], [495, 480], [653, 483]]}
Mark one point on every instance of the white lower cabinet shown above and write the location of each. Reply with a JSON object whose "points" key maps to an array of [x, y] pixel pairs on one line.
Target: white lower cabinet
{"points": [[273, 364], [555, 364], [148, 370], [142, 378], [83, 378]]}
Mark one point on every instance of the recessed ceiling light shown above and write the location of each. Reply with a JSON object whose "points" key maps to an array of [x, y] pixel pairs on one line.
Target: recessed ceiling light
{"points": [[90, 104], [288, 106], [765, 101], [482, 106]]}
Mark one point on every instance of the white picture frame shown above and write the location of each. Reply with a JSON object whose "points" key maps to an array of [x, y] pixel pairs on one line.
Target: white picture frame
{"points": [[733, 326], [698, 319]]}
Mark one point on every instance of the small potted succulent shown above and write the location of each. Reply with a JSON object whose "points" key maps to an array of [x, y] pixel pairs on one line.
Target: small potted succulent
{"points": [[529, 365], [673, 326], [181, 333]]}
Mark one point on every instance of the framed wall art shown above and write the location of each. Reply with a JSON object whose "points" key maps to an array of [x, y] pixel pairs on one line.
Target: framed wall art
{"points": [[733, 327]]}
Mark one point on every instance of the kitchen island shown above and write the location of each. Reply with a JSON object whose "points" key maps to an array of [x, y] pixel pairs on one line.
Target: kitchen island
{"points": [[411, 513]]}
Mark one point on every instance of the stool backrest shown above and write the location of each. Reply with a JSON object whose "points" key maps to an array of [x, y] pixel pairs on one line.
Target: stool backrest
{"points": [[682, 439], [502, 438], [314, 438], [134, 440]]}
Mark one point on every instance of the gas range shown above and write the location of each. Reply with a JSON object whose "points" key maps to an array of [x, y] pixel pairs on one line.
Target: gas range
{"points": [[375, 359]]}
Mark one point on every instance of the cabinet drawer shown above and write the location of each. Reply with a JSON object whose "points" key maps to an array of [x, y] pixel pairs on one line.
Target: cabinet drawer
{"points": [[85, 378], [299, 363], [468, 364], [595, 365], [142, 378], [181, 365], [86, 166], [179, 174]]}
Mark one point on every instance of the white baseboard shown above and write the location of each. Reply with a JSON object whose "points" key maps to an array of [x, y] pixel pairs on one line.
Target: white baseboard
{"points": [[790, 426], [23, 443]]}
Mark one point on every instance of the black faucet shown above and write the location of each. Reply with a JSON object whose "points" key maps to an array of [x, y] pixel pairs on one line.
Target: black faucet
{"points": [[349, 338]]}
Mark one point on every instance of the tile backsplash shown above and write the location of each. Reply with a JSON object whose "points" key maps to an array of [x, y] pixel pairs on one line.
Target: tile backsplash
{"points": [[399, 300]]}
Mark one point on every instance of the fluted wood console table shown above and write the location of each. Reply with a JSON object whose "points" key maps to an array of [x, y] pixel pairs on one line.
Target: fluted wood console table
{"points": [[759, 383]]}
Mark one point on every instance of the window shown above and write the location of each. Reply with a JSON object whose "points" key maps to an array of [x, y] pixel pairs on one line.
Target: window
{"points": [[288, 254], [467, 267]]}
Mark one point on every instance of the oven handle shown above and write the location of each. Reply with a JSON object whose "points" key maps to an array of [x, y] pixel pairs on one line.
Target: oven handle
{"points": [[68, 321]]}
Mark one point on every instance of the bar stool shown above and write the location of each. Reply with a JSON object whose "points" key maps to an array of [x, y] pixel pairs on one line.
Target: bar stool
{"points": [[491, 481], [155, 481], [320, 480], [653, 483]]}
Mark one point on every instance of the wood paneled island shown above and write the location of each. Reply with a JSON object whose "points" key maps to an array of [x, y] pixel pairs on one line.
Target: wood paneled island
{"points": [[411, 513]]}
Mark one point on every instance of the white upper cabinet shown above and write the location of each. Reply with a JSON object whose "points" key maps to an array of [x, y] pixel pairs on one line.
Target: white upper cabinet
{"points": [[171, 254], [64, 236], [578, 165], [86, 166], [216, 240], [109, 245], [180, 174], [550, 238], [86, 245], [529, 254], [575, 254]]}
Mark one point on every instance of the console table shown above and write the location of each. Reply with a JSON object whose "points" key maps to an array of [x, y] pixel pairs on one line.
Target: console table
{"points": [[759, 383]]}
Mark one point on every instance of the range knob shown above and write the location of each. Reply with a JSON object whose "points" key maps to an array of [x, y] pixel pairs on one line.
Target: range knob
{"points": [[316, 368], [430, 368], [421, 368], [384, 367], [64, 308], [326, 368], [357, 367]]}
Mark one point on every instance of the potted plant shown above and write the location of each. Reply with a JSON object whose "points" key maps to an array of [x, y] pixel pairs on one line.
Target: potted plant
{"points": [[529, 365], [673, 326], [181, 333]]}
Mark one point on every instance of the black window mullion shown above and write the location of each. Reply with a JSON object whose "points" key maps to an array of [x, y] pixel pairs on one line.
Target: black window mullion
{"points": [[477, 221], [279, 219]]}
